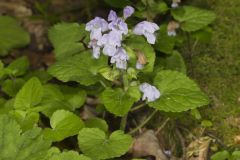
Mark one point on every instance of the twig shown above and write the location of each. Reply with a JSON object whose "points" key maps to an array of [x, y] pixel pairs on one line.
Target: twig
{"points": [[144, 122], [162, 126], [182, 141]]}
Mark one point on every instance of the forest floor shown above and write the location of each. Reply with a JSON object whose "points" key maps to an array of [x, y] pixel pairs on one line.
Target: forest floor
{"points": [[216, 67]]}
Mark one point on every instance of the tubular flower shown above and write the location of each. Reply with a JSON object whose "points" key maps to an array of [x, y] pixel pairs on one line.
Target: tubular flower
{"points": [[147, 29], [150, 93], [128, 11], [120, 58], [110, 41]]}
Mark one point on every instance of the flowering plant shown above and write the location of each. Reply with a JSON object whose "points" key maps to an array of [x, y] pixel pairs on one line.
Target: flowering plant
{"points": [[104, 68]]}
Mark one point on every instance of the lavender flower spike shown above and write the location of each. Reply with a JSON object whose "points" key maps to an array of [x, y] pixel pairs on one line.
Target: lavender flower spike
{"points": [[147, 29], [151, 93], [120, 58], [128, 11]]}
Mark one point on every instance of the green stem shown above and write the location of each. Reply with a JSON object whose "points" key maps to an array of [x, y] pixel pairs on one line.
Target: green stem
{"points": [[138, 107], [144, 122], [123, 123]]}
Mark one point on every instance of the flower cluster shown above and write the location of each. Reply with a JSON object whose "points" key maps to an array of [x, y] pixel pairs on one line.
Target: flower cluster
{"points": [[107, 37]]}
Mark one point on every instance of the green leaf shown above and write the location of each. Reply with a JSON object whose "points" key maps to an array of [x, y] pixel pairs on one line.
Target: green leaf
{"points": [[64, 124], [16, 145], [134, 92], [139, 44], [27, 120], [220, 155], [70, 155], [174, 62], [192, 18], [53, 99], [30, 95], [19, 66], [236, 155], [74, 96], [11, 87], [117, 3], [110, 74], [178, 92], [97, 123], [206, 123], [42, 75], [65, 38], [80, 68], [117, 101], [94, 143], [12, 35], [165, 43]]}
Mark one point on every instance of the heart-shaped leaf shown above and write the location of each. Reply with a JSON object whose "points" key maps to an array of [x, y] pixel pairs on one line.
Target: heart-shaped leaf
{"points": [[192, 18], [117, 101], [29, 95], [82, 68], [64, 124], [178, 92], [94, 143]]}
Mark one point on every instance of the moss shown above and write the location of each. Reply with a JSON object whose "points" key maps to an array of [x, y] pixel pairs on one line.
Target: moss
{"points": [[216, 67]]}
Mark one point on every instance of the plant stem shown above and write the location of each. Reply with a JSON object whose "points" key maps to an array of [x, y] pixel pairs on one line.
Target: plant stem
{"points": [[138, 107], [162, 126], [144, 122], [123, 123]]}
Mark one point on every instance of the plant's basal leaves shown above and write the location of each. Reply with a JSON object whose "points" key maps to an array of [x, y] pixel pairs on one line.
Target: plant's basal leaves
{"points": [[164, 42], [15, 145], [94, 143], [117, 101], [29, 95], [81, 68], [74, 96], [11, 87], [19, 66], [26, 120], [11, 35], [139, 44], [64, 124], [97, 123], [70, 155], [66, 37], [52, 100], [174, 62], [178, 92], [192, 18]]}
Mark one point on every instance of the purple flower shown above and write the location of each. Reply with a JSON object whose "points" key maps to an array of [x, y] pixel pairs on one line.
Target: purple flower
{"points": [[120, 58], [119, 25], [147, 29], [96, 48], [112, 16], [151, 93], [128, 11], [110, 41], [97, 23]]}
